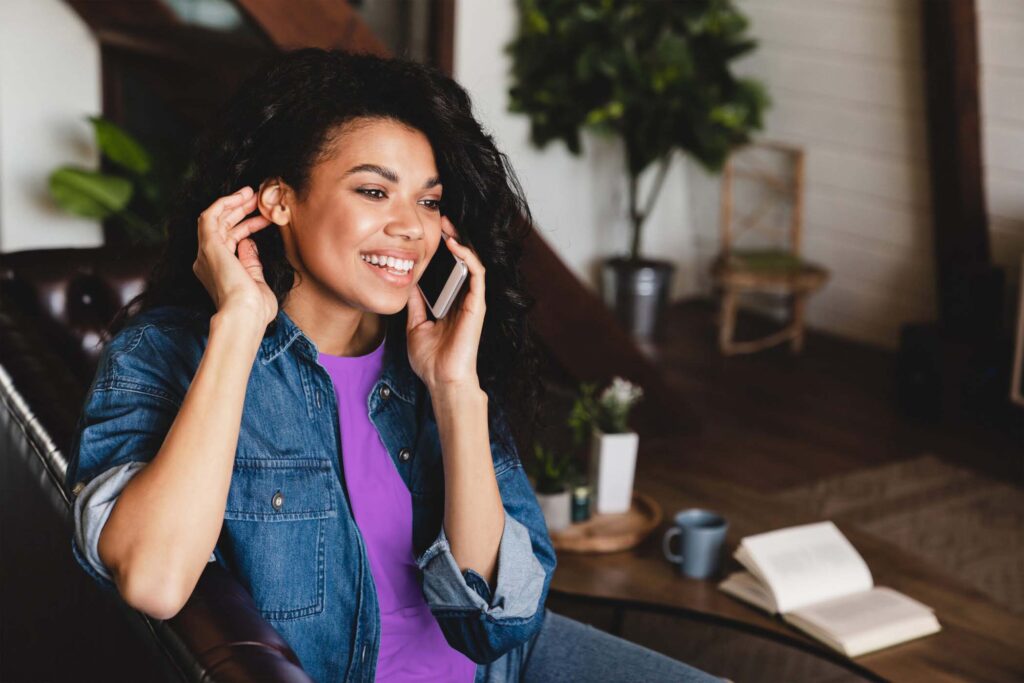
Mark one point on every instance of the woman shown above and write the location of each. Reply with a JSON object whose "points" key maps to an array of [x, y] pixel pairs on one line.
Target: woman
{"points": [[279, 401]]}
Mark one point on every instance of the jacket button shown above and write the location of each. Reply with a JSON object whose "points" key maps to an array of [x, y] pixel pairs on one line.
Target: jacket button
{"points": [[404, 454], [78, 488], [385, 392], [277, 501]]}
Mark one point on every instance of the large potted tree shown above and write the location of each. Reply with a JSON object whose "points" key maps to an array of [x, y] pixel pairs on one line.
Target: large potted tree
{"points": [[656, 74]]}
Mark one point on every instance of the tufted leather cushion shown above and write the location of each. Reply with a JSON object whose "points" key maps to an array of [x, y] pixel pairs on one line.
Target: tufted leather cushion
{"points": [[71, 294], [54, 308]]}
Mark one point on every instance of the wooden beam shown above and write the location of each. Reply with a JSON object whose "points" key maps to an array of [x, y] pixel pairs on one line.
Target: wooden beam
{"points": [[442, 22], [325, 24], [967, 282]]}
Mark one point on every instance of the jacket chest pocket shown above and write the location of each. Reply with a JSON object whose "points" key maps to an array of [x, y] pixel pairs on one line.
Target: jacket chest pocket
{"points": [[276, 519]]}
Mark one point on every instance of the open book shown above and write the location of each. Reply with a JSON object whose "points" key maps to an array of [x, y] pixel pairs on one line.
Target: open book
{"points": [[819, 583]]}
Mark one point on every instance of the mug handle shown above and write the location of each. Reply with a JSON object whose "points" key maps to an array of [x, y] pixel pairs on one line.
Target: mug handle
{"points": [[666, 545]]}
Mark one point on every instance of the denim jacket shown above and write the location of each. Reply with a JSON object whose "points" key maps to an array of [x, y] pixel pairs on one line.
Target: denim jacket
{"points": [[289, 535]]}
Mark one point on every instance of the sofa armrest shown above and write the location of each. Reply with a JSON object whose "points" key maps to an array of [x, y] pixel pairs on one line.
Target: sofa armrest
{"points": [[221, 636]]}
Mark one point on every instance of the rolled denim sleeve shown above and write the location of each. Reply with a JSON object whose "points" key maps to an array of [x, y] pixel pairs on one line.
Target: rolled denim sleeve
{"points": [[482, 625], [91, 510], [519, 584]]}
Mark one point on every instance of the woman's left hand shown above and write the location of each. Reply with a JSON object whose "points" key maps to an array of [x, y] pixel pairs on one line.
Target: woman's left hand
{"points": [[443, 352]]}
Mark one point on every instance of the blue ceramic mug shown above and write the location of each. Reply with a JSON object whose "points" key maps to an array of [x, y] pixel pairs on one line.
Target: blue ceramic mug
{"points": [[701, 533]]}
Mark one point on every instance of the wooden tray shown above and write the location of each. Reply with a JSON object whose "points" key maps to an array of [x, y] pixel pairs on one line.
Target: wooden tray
{"points": [[611, 533]]}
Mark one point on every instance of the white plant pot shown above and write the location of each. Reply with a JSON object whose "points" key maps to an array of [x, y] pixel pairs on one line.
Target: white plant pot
{"points": [[612, 465], [557, 509]]}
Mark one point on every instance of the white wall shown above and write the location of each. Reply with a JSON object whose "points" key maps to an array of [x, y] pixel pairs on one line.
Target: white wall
{"points": [[49, 83], [845, 78], [579, 203], [1001, 38]]}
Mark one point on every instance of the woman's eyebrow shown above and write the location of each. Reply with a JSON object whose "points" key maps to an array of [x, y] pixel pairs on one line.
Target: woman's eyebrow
{"points": [[388, 174]]}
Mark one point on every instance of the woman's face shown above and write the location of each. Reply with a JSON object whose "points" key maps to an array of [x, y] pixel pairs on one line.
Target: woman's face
{"points": [[371, 221]]}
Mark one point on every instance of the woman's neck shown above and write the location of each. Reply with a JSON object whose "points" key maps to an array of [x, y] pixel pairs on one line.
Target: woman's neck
{"points": [[336, 330]]}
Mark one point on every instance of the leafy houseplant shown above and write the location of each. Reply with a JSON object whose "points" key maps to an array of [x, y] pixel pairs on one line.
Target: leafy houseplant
{"points": [[613, 446], [551, 473], [134, 198], [654, 74]]}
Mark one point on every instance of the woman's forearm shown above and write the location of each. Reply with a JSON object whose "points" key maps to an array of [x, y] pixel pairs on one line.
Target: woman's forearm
{"points": [[166, 521], [474, 516]]}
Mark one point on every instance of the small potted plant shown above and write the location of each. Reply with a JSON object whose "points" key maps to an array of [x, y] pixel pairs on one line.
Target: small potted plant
{"points": [[551, 474], [613, 445]]}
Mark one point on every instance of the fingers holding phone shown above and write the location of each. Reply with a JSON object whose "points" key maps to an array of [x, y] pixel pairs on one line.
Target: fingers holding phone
{"points": [[445, 350]]}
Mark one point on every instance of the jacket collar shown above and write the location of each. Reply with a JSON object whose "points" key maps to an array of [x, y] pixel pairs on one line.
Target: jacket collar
{"points": [[399, 377]]}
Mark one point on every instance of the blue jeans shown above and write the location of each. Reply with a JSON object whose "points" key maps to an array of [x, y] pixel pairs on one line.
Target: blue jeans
{"points": [[567, 650]]}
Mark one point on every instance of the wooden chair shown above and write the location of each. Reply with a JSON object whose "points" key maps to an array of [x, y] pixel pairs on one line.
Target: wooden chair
{"points": [[765, 179]]}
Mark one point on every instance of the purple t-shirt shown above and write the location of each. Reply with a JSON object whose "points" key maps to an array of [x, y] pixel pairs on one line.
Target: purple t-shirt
{"points": [[412, 647]]}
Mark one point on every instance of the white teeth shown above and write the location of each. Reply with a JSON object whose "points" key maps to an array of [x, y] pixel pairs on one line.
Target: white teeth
{"points": [[402, 265]]}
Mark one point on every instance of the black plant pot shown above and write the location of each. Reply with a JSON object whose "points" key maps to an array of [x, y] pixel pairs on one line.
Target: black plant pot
{"points": [[637, 291]]}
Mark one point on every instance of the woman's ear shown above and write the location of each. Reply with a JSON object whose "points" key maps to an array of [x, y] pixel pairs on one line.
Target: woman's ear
{"points": [[273, 201]]}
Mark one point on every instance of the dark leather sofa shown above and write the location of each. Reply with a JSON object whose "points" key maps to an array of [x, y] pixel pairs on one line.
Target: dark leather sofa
{"points": [[56, 623]]}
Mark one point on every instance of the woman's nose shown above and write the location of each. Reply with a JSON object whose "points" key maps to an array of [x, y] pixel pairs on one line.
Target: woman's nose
{"points": [[405, 223]]}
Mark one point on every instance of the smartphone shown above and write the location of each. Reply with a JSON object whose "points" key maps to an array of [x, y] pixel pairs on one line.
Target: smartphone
{"points": [[442, 280]]}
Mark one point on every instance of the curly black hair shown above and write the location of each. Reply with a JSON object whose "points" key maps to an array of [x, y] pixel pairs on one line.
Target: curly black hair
{"points": [[284, 120]]}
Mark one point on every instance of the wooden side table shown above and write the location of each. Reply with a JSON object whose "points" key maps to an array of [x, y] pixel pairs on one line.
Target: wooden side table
{"points": [[980, 641]]}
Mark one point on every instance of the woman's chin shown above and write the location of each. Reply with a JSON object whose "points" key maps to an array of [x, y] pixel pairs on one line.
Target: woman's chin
{"points": [[389, 307]]}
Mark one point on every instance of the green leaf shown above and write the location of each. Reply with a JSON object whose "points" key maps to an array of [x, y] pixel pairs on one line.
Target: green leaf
{"points": [[90, 194], [537, 22], [610, 112], [120, 147]]}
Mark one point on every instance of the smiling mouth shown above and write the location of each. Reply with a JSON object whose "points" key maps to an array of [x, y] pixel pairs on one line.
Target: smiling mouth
{"points": [[391, 275], [390, 264]]}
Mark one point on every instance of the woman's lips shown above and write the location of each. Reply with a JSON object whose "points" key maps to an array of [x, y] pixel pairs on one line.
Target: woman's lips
{"points": [[391, 277]]}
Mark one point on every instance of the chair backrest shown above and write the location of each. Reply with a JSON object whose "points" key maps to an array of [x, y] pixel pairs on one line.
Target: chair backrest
{"points": [[762, 197]]}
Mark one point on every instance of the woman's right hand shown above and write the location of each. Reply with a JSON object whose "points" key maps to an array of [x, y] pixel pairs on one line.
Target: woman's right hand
{"points": [[234, 281]]}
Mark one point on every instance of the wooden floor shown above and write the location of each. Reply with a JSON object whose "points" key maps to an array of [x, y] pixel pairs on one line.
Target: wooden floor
{"points": [[772, 420]]}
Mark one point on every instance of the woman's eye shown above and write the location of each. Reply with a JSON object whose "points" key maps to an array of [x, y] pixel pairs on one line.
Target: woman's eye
{"points": [[369, 190], [432, 204]]}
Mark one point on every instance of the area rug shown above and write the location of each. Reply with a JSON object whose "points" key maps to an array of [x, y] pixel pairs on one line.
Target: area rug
{"points": [[966, 524]]}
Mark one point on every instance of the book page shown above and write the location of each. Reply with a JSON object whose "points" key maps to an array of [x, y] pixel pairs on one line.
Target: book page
{"points": [[867, 621], [747, 587], [806, 564]]}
